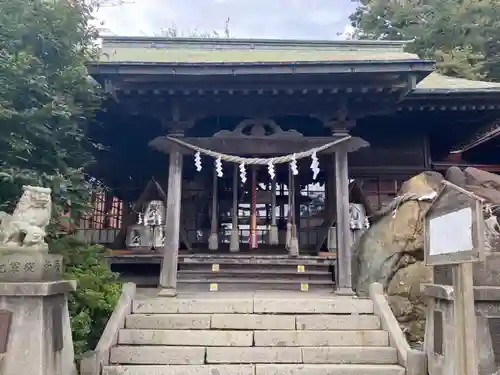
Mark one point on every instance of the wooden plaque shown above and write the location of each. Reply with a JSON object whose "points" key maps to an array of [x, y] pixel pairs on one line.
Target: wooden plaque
{"points": [[5, 323], [454, 227]]}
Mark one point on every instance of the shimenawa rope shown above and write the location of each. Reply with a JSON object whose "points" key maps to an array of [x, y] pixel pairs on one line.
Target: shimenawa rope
{"points": [[258, 161]]}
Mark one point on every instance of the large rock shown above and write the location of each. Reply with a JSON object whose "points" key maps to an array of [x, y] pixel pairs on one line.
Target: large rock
{"points": [[484, 184], [397, 231], [391, 252], [405, 298]]}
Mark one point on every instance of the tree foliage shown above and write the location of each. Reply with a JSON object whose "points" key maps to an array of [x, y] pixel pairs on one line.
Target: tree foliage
{"points": [[174, 32], [462, 35], [93, 302], [47, 100]]}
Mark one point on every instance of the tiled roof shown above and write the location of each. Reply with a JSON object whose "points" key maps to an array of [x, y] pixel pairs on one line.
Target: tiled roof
{"points": [[200, 51], [158, 50], [439, 82]]}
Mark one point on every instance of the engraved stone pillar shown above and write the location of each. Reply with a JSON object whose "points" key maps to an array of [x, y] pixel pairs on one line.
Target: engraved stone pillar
{"points": [[35, 332], [168, 276], [38, 335]]}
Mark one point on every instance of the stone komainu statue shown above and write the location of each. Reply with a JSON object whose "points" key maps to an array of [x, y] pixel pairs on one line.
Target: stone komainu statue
{"points": [[25, 228]]}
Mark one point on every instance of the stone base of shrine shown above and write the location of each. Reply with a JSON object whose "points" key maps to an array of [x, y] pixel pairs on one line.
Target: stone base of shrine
{"points": [[35, 331]]}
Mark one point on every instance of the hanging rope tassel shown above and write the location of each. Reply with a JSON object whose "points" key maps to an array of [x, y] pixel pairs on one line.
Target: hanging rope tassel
{"points": [[273, 231], [294, 242], [289, 215], [213, 240], [234, 244], [253, 224]]}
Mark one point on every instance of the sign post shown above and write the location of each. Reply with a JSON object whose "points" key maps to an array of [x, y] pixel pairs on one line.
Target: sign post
{"points": [[455, 235]]}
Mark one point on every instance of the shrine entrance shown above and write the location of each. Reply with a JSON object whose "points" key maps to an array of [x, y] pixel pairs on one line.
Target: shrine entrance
{"points": [[239, 187], [259, 202]]}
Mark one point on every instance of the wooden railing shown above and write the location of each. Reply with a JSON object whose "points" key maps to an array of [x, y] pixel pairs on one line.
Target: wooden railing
{"points": [[414, 361], [93, 361], [307, 237], [97, 236]]}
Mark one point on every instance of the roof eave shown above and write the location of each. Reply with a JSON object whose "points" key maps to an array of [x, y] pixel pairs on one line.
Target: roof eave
{"points": [[231, 68], [382, 44], [455, 91]]}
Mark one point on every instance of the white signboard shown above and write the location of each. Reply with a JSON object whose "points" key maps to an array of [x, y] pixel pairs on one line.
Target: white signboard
{"points": [[451, 233]]}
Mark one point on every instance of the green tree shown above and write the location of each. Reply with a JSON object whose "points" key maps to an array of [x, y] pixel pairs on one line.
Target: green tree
{"points": [[47, 100], [174, 32], [462, 35]]}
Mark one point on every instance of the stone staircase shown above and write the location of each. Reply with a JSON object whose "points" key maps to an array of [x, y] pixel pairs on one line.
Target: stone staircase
{"points": [[262, 333], [250, 272]]}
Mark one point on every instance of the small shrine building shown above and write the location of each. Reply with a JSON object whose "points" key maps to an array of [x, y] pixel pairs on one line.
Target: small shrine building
{"points": [[276, 148]]}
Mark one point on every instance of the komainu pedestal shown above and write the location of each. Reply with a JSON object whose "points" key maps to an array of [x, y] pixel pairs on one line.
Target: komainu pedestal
{"points": [[35, 332]]}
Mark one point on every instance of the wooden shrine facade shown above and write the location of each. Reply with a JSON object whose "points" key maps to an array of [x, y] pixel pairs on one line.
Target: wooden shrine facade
{"points": [[384, 112]]}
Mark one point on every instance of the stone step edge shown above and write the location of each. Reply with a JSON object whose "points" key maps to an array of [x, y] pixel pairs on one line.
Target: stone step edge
{"points": [[199, 355], [249, 338], [310, 304], [292, 322], [257, 369]]}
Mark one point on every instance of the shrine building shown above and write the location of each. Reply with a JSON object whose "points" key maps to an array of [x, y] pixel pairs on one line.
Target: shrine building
{"points": [[254, 164]]}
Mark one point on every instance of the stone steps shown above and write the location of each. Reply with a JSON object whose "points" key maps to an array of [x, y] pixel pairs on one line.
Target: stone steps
{"points": [[250, 338], [253, 322], [282, 304], [260, 333], [259, 369], [178, 355]]}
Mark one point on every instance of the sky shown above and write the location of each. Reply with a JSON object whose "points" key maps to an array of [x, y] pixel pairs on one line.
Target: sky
{"points": [[271, 19]]}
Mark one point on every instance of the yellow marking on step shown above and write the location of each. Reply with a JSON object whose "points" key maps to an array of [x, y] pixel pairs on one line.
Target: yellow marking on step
{"points": [[214, 287], [301, 268], [304, 287], [215, 268]]}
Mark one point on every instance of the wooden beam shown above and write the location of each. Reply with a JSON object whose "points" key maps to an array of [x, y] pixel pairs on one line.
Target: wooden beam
{"points": [[485, 134], [247, 88], [258, 145], [168, 276], [344, 238]]}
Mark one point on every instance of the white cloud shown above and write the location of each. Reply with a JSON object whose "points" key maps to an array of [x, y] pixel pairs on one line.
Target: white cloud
{"points": [[289, 19]]}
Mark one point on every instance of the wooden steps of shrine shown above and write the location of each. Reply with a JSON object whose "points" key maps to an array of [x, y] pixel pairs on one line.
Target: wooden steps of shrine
{"points": [[238, 272], [232, 284], [235, 272]]}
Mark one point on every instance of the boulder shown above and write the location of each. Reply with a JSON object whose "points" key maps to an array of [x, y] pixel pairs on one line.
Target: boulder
{"points": [[395, 231], [484, 184], [406, 300], [391, 251]]}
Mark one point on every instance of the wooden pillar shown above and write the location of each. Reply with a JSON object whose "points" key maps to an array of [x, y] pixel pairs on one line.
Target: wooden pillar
{"points": [[344, 238], [168, 276]]}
